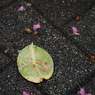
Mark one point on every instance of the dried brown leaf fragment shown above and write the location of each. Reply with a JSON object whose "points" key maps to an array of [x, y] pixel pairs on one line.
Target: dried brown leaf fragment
{"points": [[27, 30], [92, 58]]}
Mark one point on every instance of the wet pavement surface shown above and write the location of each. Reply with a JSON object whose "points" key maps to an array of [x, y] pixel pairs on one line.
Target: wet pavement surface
{"points": [[70, 53]]}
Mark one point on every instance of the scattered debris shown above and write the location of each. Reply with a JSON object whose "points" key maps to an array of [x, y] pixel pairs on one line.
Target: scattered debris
{"points": [[36, 33], [77, 18], [82, 91], [75, 31], [36, 26], [6, 51], [21, 9], [25, 93], [29, 4], [27, 30], [19, 51], [92, 58]]}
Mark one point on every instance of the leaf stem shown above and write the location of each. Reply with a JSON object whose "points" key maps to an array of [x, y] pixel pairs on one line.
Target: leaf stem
{"points": [[33, 57]]}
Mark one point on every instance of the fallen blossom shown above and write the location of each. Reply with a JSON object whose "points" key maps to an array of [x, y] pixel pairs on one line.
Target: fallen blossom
{"points": [[74, 30], [21, 9], [82, 91], [25, 93], [36, 26], [88, 94]]}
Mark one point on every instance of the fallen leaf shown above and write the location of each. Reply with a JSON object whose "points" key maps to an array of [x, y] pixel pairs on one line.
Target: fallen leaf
{"points": [[35, 64], [27, 30], [36, 33]]}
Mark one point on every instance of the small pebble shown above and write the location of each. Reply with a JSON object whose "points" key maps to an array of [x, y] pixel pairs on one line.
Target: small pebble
{"points": [[8, 76], [77, 18], [19, 51], [44, 21]]}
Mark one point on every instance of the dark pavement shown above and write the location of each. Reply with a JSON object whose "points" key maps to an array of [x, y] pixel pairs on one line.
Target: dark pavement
{"points": [[71, 53]]}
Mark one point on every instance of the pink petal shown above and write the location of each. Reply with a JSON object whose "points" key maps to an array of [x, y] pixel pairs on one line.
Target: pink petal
{"points": [[88, 94], [25, 93], [82, 91], [21, 9], [36, 26], [74, 30]]}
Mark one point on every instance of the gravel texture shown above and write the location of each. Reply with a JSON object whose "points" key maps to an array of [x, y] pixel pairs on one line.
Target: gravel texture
{"points": [[90, 86], [6, 3], [12, 83], [86, 28], [60, 11], [4, 60], [71, 65], [3, 2]]}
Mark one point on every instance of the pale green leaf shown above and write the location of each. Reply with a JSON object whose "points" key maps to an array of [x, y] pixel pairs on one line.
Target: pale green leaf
{"points": [[35, 64]]}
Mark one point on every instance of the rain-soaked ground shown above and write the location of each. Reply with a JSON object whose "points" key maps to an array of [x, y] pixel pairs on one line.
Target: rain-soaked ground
{"points": [[71, 53]]}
